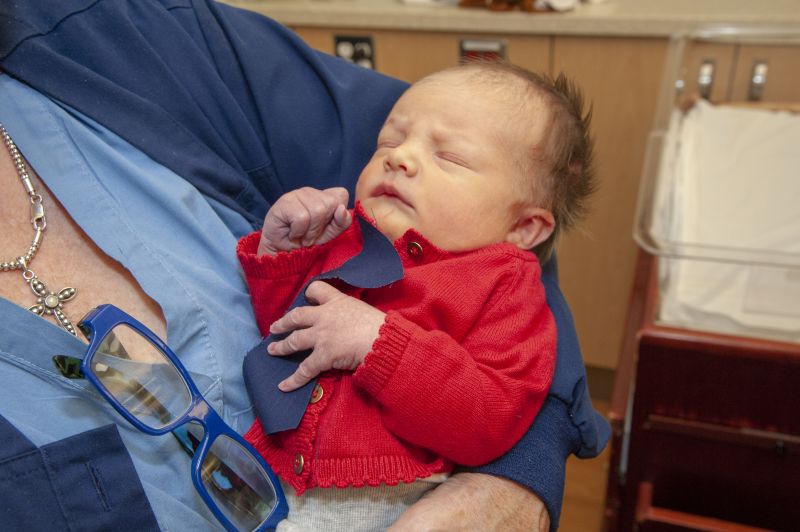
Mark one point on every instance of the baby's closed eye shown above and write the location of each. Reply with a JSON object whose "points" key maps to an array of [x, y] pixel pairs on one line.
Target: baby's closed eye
{"points": [[453, 159], [388, 143]]}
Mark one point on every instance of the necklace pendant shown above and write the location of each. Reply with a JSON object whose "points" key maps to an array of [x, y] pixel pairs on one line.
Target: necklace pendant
{"points": [[51, 303]]}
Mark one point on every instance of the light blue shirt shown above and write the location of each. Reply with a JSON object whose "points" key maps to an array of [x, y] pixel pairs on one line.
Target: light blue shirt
{"points": [[178, 245]]}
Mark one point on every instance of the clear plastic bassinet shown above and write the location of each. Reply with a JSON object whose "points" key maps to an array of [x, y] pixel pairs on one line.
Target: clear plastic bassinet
{"points": [[719, 200]]}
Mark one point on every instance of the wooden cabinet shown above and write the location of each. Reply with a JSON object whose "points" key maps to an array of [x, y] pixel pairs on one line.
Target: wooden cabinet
{"points": [[782, 80], [412, 55], [706, 431], [620, 77], [733, 69]]}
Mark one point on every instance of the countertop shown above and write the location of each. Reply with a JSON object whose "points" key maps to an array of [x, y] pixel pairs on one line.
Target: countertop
{"points": [[644, 18]]}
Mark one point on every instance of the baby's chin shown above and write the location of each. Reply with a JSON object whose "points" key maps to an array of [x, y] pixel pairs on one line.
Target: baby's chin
{"points": [[389, 220]]}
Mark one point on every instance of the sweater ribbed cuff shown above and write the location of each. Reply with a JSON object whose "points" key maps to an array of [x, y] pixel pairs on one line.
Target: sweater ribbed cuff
{"points": [[283, 264], [387, 350]]}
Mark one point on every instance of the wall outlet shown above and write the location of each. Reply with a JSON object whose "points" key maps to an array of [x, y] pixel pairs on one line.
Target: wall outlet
{"points": [[356, 49], [482, 50]]}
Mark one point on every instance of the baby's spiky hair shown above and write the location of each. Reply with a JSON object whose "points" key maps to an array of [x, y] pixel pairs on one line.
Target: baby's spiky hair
{"points": [[561, 165]]}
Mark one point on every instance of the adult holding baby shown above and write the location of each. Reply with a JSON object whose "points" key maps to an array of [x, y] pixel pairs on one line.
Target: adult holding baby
{"points": [[171, 116]]}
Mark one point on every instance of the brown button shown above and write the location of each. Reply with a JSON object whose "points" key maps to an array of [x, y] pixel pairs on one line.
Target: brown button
{"points": [[316, 395], [298, 463], [414, 250]]}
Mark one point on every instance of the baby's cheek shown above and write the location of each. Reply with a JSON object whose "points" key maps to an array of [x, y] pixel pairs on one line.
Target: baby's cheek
{"points": [[460, 230], [449, 220], [360, 192]]}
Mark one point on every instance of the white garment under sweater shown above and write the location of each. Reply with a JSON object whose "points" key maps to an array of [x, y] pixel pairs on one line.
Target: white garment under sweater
{"points": [[366, 509]]}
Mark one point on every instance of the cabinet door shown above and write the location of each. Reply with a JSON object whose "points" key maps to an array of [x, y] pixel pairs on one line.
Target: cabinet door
{"points": [[782, 77], [695, 73], [411, 55], [620, 77]]}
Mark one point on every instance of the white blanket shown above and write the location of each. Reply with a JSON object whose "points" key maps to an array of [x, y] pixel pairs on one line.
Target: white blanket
{"points": [[732, 183]]}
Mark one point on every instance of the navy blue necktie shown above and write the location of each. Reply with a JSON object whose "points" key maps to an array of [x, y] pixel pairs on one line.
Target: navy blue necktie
{"points": [[378, 264]]}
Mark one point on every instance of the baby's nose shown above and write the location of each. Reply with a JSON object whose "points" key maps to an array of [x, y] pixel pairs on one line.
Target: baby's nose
{"points": [[401, 159]]}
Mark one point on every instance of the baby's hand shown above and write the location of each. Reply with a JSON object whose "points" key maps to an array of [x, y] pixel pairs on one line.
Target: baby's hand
{"points": [[340, 330], [304, 217]]}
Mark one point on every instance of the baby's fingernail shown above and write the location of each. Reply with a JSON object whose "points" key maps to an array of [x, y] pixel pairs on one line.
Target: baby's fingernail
{"points": [[283, 387]]}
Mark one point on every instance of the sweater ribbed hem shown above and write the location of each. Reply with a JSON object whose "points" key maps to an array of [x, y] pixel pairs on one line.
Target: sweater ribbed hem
{"points": [[373, 470], [387, 350], [355, 471]]}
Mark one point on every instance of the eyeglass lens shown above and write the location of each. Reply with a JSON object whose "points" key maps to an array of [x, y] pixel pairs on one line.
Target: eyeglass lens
{"points": [[237, 483], [141, 377]]}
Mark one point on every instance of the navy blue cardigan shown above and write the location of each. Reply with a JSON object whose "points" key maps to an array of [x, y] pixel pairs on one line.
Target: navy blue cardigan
{"points": [[241, 107]]}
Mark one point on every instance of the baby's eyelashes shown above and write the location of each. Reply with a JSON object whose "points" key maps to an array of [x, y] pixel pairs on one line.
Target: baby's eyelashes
{"points": [[388, 143], [452, 158]]}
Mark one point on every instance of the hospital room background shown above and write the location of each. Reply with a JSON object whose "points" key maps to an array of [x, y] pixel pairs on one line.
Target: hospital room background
{"points": [[684, 279]]}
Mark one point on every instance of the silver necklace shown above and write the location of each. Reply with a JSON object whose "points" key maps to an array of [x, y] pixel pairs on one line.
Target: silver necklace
{"points": [[48, 303]]}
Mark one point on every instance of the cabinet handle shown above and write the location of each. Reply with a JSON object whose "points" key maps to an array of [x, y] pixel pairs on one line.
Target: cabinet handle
{"points": [[705, 78], [758, 78], [779, 442]]}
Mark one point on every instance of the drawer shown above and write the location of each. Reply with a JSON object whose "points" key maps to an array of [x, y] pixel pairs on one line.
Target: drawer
{"points": [[740, 476], [752, 390]]}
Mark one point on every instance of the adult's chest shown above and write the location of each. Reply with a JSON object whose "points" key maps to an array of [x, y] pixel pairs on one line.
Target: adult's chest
{"points": [[67, 256]]}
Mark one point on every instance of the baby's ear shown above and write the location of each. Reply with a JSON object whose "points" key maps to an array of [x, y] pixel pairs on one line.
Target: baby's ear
{"points": [[534, 226]]}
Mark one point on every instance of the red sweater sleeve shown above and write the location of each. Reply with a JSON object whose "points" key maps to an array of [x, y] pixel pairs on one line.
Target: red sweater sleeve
{"points": [[275, 280], [470, 401]]}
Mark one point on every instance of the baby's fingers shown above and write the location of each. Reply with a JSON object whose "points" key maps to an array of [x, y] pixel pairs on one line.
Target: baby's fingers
{"points": [[306, 372], [285, 224], [340, 221], [322, 207], [297, 318], [297, 341]]}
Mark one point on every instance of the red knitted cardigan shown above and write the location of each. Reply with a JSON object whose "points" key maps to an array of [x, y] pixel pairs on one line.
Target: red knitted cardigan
{"points": [[457, 374]]}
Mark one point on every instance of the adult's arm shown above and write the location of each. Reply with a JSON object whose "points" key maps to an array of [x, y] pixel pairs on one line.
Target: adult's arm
{"points": [[242, 108], [475, 501]]}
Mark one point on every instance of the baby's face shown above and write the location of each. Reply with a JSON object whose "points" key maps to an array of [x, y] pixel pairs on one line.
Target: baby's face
{"points": [[447, 164]]}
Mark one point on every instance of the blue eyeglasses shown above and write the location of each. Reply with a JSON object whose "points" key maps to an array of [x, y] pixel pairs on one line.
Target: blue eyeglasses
{"points": [[140, 376]]}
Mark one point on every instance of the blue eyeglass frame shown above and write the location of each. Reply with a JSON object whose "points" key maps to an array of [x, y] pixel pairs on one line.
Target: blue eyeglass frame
{"points": [[96, 325]]}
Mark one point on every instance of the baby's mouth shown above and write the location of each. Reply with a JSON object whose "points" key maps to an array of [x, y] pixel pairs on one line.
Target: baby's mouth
{"points": [[389, 191]]}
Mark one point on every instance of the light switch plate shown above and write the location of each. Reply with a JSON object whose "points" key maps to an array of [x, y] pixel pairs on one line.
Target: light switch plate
{"points": [[482, 50], [357, 49]]}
